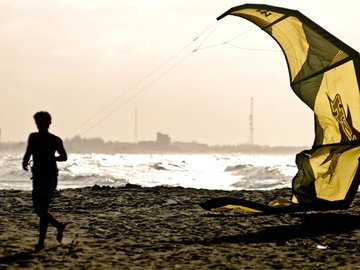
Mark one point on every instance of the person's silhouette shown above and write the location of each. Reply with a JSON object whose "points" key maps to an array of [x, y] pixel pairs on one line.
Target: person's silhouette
{"points": [[42, 146]]}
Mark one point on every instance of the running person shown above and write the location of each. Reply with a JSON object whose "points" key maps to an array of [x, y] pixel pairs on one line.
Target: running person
{"points": [[42, 146]]}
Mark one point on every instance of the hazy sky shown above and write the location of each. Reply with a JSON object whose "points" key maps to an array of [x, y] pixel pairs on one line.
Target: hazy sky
{"points": [[90, 63]]}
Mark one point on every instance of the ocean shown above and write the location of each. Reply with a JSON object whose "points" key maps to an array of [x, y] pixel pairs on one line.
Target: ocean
{"points": [[209, 171]]}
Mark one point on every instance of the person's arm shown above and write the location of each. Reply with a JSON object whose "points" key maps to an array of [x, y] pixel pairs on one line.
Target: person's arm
{"points": [[27, 155], [61, 151]]}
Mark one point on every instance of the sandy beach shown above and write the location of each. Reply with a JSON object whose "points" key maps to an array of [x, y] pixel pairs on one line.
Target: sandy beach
{"points": [[164, 228]]}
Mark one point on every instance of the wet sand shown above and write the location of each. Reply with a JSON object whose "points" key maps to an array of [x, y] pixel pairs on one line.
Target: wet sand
{"points": [[164, 228]]}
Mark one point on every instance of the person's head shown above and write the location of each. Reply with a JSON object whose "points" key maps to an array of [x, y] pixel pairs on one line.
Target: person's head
{"points": [[42, 120]]}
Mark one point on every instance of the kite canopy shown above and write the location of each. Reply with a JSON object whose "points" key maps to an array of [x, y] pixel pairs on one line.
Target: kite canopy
{"points": [[325, 74]]}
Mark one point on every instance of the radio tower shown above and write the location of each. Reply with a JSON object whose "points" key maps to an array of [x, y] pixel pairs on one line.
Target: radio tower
{"points": [[251, 123]]}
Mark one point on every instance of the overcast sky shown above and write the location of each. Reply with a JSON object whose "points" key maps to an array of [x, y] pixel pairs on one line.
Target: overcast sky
{"points": [[91, 63]]}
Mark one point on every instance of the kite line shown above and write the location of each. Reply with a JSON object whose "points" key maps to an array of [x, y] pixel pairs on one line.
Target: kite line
{"points": [[209, 29]]}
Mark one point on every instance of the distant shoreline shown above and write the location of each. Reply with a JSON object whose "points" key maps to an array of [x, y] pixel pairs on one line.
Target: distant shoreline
{"points": [[99, 146]]}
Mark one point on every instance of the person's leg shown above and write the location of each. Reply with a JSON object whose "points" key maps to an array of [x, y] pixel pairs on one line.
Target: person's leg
{"points": [[58, 225], [45, 219], [44, 222], [40, 197], [37, 198]]}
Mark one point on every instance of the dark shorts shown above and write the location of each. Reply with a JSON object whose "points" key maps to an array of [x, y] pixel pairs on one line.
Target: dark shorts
{"points": [[43, 190]]}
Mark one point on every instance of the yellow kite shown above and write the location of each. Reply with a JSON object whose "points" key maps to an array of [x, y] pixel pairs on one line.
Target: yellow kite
{"points": [[325, 75]]}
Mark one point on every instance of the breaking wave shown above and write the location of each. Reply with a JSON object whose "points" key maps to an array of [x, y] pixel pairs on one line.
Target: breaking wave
{"points": [[209, 171]]}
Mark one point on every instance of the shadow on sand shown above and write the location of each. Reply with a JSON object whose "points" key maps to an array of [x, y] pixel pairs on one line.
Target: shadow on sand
{"points": [[22, 258], [312, 225]]}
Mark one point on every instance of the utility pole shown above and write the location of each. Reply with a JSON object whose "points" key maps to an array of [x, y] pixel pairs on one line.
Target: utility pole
{"points": [[135, 126], [251, 122]]}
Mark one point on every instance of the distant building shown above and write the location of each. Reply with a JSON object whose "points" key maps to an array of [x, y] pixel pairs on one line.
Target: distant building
{"points": [[162, 143], [163, 140]]}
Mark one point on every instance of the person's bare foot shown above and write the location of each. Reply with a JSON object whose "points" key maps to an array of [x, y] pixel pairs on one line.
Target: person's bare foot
{"points": [[60, 231], [38, 247]]}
